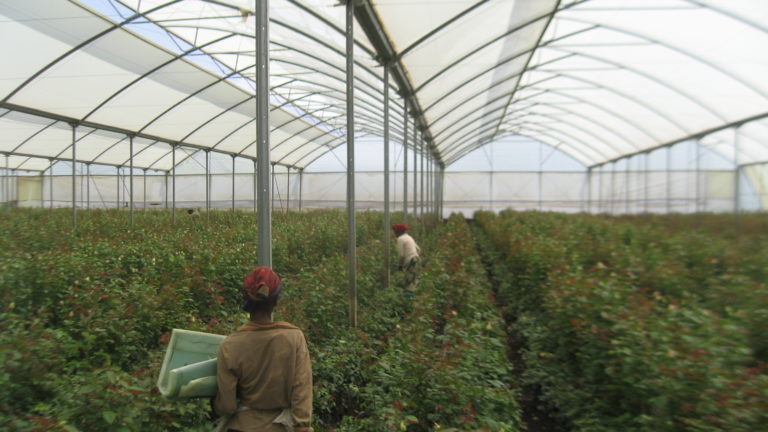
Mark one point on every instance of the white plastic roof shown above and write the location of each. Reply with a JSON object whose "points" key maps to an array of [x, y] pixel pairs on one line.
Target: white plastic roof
{"points": [[597, 79]]}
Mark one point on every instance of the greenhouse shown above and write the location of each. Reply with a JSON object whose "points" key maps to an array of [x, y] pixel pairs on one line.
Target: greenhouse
{"points": [[587, 181]]}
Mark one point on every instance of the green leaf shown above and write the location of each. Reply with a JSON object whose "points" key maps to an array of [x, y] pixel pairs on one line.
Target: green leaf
{"points": [[109, 416]]}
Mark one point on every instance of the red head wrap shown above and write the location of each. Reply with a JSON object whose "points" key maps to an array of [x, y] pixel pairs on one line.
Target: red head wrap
{"points": [[260, 284], [399, 228]]}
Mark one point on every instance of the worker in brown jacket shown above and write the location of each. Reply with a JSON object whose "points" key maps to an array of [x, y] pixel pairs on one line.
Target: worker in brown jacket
{"points": [[264, 373]]}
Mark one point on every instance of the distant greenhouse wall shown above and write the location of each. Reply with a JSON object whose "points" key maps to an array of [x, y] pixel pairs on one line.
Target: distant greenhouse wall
{"points": [[613, 192]]}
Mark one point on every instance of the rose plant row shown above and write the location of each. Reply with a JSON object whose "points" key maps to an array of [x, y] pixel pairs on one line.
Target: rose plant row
{"points": [[644, 323]]}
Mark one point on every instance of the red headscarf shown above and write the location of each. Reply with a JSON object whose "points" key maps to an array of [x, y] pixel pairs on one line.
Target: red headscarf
{"points": [[261, 284], [399, 228]]}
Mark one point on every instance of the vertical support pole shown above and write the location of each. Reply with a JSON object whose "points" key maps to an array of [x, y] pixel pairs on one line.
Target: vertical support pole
{"points": [[233, 183], [165, 190], [207, 183], [697, 177], [173, 183], [88, 186], [131, 178], [274, 182], [421, 176], [288, 190], [117, 187], [541, 177], [301, 188], [262, 133], [387, 224], [613, 191], [405, 162], [599, 205], [737, 171], [255, 187], [646, 174], [626, 185], [50, 183], [669, 179], [74, 181], [6, 202], [589, 190], [416, 144], [352, 235], [144, 194]]}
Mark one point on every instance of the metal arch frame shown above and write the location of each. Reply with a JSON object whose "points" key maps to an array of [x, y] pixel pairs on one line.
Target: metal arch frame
{"points": [[339, 30], [109, 29], [695, 136], [321, 155], [515, 75], [459, 141], [175, 57], [150, 72], [566, 95], [373, 94], [730, 15], [330, 47], [457, 144], [334, 91], [528, 62], [501, 37], [671, 47], [576, 152], [369, 21], [440, 28], [570, 53], [461, 152], [642, 103]]}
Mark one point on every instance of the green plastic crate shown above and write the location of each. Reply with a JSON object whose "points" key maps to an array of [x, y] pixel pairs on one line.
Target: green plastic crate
{"points": [[189, 366]]}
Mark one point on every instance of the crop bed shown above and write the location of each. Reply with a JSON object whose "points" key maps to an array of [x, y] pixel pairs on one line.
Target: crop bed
{"points": [[631, 324]]}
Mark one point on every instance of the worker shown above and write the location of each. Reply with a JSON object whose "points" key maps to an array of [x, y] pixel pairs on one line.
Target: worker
{"points": [[409, 260], [264, 373]]}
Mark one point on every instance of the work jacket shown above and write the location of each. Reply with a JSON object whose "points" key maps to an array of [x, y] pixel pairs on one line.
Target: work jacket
{"points": [[263, 369]]}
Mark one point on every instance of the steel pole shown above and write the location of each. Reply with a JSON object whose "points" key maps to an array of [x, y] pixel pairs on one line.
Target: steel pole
{"points": [[416, 144], [173, 183], [352, 235], [387, 235], [131, 178], [207, 183], [301, 187], [262, 133], [405, 163], [74, 181], [233, 183], [144, 192], [737, 171], [88, 186], [288, 189], [50, 183], [669, 179]]}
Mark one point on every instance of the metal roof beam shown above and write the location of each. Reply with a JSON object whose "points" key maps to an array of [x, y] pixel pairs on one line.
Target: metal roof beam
{"points": [[371, 24]]}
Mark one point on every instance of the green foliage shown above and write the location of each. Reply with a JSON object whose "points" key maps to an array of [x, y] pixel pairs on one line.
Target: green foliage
{"points": [[638, 323]]}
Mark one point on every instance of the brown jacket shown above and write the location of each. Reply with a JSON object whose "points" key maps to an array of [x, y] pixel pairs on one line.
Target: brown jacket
{"points": [[263, 369]]}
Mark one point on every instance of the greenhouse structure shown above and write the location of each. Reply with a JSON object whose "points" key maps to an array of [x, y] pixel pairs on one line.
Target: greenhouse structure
{"points": [[574, 105], [477, 215]]}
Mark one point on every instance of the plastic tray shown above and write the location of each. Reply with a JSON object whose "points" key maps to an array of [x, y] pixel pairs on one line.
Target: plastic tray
{"points": [[189, 366]]}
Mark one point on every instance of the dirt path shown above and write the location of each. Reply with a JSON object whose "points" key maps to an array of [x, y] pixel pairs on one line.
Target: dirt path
{"points": [[536, 416]]}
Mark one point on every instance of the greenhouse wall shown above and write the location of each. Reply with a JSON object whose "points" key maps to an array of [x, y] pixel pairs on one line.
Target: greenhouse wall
{"points": [[613, 192]]}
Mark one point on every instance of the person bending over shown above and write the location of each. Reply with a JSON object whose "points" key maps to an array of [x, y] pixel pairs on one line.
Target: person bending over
{"points": [[264, 373], [409, 260]]}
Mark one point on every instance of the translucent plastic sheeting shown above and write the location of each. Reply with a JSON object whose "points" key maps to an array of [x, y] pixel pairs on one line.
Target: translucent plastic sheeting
{"points": [[172, 72], [599, 80]]}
